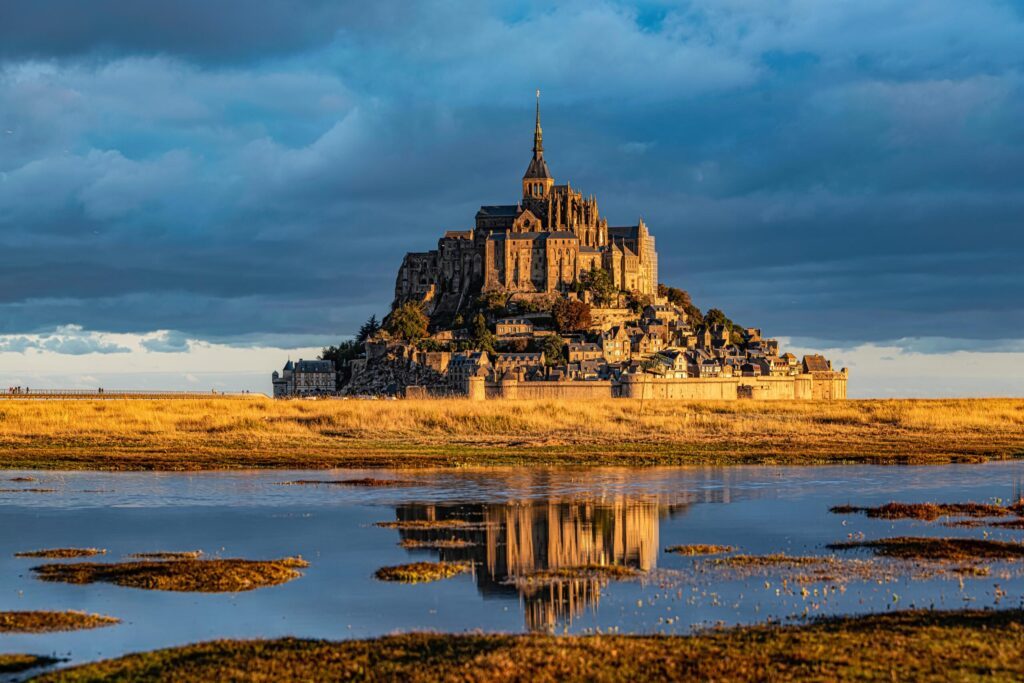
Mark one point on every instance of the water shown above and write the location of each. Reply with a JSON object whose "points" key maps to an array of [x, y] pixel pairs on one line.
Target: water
{"points": [[523, 520]]}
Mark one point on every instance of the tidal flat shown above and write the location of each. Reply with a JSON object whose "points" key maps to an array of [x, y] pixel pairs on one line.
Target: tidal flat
{"points": [[257, 432], [555, 566]]}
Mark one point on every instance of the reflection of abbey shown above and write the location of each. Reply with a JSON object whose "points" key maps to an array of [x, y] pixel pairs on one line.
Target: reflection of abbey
{"points": [[540, 245], [511, 542]]}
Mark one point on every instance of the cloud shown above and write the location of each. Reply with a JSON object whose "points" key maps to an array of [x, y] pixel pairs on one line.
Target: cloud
{"points": [[252, 174], [65, 340], [167, 341]]}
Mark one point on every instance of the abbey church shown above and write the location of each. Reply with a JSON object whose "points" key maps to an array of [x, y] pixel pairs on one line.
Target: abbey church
{"points": [[537, 246]]}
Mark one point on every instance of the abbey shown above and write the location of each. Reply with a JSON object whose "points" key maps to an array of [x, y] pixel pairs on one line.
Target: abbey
{"points": [[538, 246]]}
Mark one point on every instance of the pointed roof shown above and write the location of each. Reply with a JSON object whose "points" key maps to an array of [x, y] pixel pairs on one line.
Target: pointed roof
{"points": [[538, 168]]}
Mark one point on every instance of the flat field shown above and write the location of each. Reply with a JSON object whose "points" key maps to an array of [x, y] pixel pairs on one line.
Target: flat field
{"points": [[223, 433]]}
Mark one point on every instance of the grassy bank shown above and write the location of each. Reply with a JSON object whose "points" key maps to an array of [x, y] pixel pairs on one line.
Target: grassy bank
{"points": [[918, 646], [259, 432]]}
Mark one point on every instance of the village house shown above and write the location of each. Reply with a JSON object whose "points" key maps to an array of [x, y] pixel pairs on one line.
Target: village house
{"points": [[509, 327], [305, 378], [580, 352]]}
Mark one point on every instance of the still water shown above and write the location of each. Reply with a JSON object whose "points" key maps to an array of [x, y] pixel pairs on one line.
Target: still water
{"points": [[521, 521]]}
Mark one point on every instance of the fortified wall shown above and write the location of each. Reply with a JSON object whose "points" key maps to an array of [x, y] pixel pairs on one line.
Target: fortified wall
{"points": [[810, 386]]}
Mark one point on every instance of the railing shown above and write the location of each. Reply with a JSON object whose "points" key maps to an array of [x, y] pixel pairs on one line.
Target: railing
{"points": [[21, 393]]}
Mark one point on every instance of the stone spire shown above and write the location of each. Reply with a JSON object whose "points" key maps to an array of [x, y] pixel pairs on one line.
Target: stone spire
{"points": [[538, 168], [538, 135]]}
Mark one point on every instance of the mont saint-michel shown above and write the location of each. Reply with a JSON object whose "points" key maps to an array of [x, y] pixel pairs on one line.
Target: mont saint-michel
{"points": [[545, 298]]}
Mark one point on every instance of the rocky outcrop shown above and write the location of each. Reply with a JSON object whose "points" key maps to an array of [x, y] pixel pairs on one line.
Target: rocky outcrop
{"points": [[389, 374]]}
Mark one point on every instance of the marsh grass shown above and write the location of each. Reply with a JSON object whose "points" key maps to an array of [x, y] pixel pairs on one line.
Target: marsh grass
{"points": [[917, 645], [183, 575], [696, 549], [17, 663], [228, 432], [47, 622], [422, 572], [63, 553]]}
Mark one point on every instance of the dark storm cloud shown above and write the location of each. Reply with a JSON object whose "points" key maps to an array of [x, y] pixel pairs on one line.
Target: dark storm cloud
{"points": [[225, 29], [837, 171]]}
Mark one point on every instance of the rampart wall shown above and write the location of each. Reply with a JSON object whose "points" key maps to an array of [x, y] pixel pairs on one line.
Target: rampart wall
{"points": [[820, 386]]}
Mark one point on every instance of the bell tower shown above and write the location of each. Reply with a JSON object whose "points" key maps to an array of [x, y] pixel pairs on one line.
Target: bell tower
{"points": [[537, 180]]}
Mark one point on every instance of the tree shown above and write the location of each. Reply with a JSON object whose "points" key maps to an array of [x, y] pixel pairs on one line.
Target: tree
{"points": [[483, 338], [571, 316], [369, 328], [342, 353], [638, 302], [680, 298], [553, 348], [599, 283], [716, 317], [407, 322]]}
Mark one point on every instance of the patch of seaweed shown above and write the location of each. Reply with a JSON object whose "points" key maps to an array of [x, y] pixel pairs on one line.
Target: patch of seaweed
{"points": [[584, 571], [942, 549], [695, 549], [422, 572], [974, 523], [22, 479], [46, 622], [931, 511], [28, 490], [773, 560], [63, 553], [437, 544], [365, 481], [184, 575], [168, 555], [16, 663]]}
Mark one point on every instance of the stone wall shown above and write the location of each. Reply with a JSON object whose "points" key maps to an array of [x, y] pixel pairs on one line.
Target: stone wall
{"points": [[579, 391], [648, 387]]}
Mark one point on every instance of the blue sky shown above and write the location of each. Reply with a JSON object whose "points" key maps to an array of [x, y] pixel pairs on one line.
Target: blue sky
{"points": [[195, 189]]}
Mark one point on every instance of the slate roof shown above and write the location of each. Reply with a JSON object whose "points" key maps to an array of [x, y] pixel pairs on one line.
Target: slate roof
{"points": [[314, 366], [537, 169], [498, 211]]}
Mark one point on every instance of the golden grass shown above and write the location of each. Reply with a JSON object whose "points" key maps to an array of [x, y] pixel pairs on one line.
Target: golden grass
{"points": [[260, 432], [915, 646], [48, 622], [184, 574]]}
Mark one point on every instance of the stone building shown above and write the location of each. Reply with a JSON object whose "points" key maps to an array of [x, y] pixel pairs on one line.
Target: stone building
{"points": [[540, 245], [305, 378]]}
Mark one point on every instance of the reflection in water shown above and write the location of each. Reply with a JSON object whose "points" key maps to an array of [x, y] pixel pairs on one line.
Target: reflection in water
{"points": [[513, 541]]}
